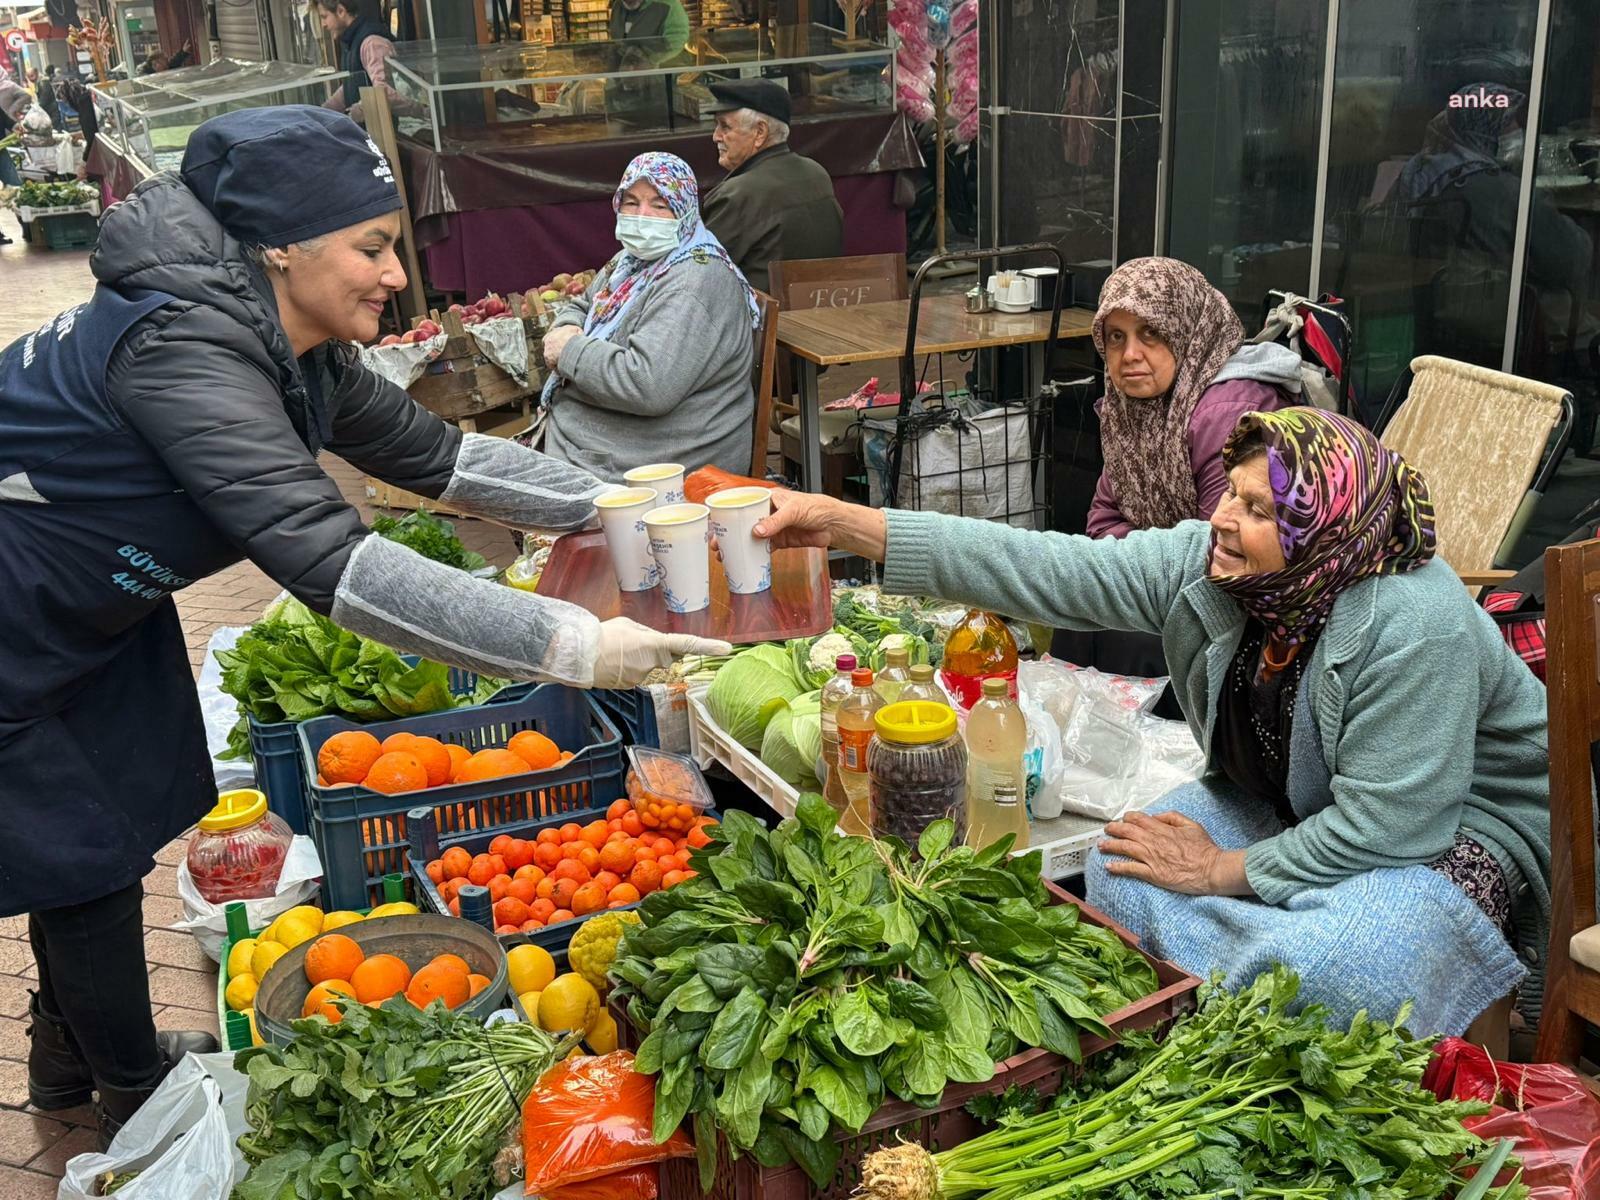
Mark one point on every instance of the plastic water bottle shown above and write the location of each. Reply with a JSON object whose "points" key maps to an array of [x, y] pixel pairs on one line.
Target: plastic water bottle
{"points": [[834, 693]]}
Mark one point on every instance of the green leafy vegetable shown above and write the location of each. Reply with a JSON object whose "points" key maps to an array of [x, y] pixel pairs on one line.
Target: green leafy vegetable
{"points": [[749, 690], [389, 1104], [802, 978], [53, 195], [294, 664], [1247, 1098], [793, 741], [430, 536]]}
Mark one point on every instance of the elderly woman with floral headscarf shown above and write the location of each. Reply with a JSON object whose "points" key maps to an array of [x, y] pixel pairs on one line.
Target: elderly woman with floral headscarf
{"points": [[653, 362], [1375, 812]]}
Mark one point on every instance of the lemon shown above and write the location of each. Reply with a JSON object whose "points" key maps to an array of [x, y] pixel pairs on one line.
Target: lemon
{"points": [[265, 954], [530, 968], [530, 1005], [398, 908], [239, 957], [299, 925], [255, 1034], [570, 1002], [338, 920], [602, 1035], [241, 992]]}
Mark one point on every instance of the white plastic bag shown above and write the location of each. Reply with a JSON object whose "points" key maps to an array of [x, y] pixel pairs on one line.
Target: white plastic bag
{"points": [[1101, 754], [182, 1142], [504, 342], [402, 364], [208, 922], [221, 712]]}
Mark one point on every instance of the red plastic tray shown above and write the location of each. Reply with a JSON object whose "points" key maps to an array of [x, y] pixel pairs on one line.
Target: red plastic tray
{"points": [[799, 603]]}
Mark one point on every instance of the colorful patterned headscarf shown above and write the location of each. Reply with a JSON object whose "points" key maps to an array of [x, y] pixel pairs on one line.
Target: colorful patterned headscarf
{"points": [[1146, 442], [626, 279], [1347, 509]]}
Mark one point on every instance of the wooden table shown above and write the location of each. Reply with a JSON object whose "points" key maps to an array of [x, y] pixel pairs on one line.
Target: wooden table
{"points": [[825, 337]]}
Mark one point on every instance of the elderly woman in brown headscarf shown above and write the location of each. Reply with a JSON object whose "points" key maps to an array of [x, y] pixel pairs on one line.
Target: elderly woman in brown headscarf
{"points": [[1177, 382]]}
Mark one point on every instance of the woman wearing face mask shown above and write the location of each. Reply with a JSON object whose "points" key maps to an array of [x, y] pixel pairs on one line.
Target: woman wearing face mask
{"points": [[652, 362], [166, 429], [1375, 812]]}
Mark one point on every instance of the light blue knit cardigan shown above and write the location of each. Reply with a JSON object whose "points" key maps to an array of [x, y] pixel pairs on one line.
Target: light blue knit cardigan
{"points": [[1427, 722]]}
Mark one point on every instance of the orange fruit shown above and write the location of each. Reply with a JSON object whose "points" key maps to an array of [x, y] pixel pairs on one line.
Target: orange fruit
{"points": [[672, 879], [631, 824], [476, 984], [499, 862], [669, 863], [596, 833], [397, 743], [644, 853], [512, 911], [618, 807], [566, 757], [547, 854], [396, 772], [435, 871], [499, 844], [499, 888], [533, 748], [522, 889], [544, 889], [456, 862], [573, 849], [458, 755], [590, 858], [434, 756], [563, 892], [439, 981], [608, 879], [548, 835], [530, 872], [624, 893], [347, 757], [454, 961], [560, 914], [332, 956], [541, 908], [482, 870], [319, 1000], [573, 870], [454, 906], [450, 889], [531, 924], [646, 876], [379, 977], [587, 899], [490, 764], [570, 832], [518, 854]]}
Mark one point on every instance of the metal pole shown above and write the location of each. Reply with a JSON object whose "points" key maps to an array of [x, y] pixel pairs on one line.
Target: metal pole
{"points": [[1116, 141], [1169, 57], [996, 111], [1530, 148], [939, 114], [1319, 208]]}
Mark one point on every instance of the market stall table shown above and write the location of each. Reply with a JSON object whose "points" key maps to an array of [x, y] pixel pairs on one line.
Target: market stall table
{"points": [[826, 337]]}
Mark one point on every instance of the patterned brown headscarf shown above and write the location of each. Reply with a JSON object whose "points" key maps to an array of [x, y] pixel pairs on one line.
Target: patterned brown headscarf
{"points": [[1146, 442]]}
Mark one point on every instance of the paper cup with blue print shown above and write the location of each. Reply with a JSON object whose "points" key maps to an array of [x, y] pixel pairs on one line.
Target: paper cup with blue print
{"points": [[665, 478], [622, 514], [680, 536], [746, 561]]}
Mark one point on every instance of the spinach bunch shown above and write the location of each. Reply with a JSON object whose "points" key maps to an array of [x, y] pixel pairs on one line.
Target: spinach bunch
{"points": [[430, 536], [389, 1104], [1250, 1098], [805, 977]]}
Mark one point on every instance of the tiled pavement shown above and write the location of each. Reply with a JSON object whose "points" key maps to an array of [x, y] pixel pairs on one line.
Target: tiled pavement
{"points": [[34, 1147]]}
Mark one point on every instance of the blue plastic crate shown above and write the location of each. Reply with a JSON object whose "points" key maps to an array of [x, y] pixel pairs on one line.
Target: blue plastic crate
{"points": [[426, 844], [276, 751], [361, 834], [634, 711]]}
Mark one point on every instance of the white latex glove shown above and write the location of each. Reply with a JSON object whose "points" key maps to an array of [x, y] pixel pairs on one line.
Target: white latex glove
{"points": [[629, 651]]}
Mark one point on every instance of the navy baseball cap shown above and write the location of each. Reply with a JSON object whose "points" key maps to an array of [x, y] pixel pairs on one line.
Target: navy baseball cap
{"points": [[274, 176]]}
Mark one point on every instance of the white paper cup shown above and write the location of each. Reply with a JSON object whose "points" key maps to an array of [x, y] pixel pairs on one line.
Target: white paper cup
{"points": [[665, 478], [679, 538], [622, 520], [746, 561]]}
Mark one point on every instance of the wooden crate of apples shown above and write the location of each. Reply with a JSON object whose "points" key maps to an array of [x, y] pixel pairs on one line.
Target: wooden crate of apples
{"points": [[462, 383]]}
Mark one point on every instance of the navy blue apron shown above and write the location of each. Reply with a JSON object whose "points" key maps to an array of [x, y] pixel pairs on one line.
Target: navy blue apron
{"points": [[102, 747]]}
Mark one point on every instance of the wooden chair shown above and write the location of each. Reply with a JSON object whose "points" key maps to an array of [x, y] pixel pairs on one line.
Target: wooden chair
{"points": [[1478, 437], [761, 372], [832, 283], [1572, 966]]}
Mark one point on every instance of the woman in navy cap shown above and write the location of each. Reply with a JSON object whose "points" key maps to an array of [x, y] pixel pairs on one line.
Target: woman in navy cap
{"points": [[166, 429]]}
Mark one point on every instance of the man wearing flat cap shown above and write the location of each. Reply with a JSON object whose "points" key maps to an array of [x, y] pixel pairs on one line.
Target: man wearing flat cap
{"points": [[773, 204]]}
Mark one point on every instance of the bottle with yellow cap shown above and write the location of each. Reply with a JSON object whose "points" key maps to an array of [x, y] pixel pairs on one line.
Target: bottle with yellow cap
{"points": [[997, 784], [240, 848], [918, 769]]}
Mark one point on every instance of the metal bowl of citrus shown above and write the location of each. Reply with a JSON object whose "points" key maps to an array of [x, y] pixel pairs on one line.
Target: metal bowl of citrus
{"points": [[417, 941]]}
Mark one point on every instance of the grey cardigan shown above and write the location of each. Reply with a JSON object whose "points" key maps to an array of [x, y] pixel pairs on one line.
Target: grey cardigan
{"points": [[671, 385], [1427, 722]]}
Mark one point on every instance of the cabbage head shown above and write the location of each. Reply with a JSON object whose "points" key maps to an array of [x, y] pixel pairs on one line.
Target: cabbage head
{"points": [[793, 742], [749, 690]]}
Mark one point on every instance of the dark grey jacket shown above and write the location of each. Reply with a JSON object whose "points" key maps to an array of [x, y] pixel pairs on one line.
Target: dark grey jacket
{"points": [[213, 386], [779, 205]]}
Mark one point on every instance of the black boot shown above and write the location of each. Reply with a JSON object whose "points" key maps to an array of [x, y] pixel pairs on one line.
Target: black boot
{"points": [[114, 1106], [57, 1075]]}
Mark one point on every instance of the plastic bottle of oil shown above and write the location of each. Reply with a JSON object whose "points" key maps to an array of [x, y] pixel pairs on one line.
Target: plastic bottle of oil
{"points": [[856, 728], [895, 675], [979, 648], [834, 693], [997, 783], [923, 686]]}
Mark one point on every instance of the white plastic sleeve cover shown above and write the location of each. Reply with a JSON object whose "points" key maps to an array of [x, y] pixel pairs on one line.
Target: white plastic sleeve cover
{"points": [[394, 595], [502, 481]]}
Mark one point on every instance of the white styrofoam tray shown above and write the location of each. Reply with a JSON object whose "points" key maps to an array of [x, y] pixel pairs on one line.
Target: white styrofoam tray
{"points": [[1065, 841]]}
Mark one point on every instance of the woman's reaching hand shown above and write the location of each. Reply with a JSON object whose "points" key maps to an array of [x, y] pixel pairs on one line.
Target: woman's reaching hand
{"points": [[1173, 852], [806, 519]]}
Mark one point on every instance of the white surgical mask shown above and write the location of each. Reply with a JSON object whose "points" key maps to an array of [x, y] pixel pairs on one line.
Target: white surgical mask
{"points": [[648, 238]]}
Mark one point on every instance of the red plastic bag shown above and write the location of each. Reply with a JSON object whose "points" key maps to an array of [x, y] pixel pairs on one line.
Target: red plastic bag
{"points": [[591, 1117], [1544, 1109], [636, 1183]]}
